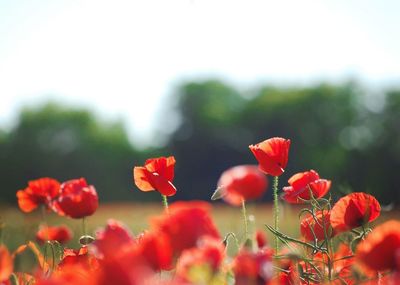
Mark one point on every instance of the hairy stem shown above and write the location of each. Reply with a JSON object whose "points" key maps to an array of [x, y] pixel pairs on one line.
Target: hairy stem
{"points": [[276, 210], [44, 221], [246, 223], [84, 226], [165, 203]]}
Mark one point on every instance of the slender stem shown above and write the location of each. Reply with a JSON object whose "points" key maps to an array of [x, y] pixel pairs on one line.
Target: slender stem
{"points": [[246, 223], [84, 226], [44, 221], [276, 210], [288, 238], [165, 203]]}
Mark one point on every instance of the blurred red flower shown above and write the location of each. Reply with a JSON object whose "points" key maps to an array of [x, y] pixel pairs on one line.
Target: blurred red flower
{"points": [[209, 254], [70, 274], [242, 183], [156, 174], [320, 225], [77, 199], [6, 264], [343, 264], [39, 192], [380, 250], [353, 211], [186, 223], [272, 155], [115, 233], [254, 268], [155, 249], [125, 267], [80, 257], [62, 234], [302, 183]]}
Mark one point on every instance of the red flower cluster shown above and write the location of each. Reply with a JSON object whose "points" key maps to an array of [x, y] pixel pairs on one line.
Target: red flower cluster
{"points": [[183, 245], [73, 198]]}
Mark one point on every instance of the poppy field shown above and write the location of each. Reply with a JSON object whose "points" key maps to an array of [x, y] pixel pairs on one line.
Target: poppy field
{"points": [[305, 237]]}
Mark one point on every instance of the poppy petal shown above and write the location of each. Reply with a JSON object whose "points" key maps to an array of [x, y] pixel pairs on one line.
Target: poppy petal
{"points": [[26, 202], [140, 177], [378, 251], [320, 187], [164, 166], [6, 263], [162, 185]]}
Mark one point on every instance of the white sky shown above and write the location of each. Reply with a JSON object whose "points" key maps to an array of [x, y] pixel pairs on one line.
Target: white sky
{"points": [[120, 57]]}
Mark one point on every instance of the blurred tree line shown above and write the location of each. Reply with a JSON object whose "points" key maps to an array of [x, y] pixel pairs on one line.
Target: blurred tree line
{"points": [[343, 131]]}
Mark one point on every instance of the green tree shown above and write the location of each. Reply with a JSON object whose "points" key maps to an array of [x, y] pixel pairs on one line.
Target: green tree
{"points": [[331, 130], [66, 143]]}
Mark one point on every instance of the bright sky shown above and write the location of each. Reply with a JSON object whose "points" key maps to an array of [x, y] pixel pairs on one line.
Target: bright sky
{"points": [[119, 58]]}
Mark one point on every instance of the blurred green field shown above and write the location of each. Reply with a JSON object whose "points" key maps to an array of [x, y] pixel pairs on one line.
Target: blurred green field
{"points": [[19, 227]]}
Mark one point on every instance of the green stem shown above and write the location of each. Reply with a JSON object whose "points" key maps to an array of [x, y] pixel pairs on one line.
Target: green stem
{"points": [[276, 211], [44, 221], [84, 226], [165, 203], [246, 223], [288, 238]]}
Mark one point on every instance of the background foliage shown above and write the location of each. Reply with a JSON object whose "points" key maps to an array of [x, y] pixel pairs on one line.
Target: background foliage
{"points": [[343, 131]]}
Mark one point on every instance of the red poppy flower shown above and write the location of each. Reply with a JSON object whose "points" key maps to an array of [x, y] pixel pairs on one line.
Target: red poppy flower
{"points": [[253, 267], [155, 249], [186, 223], [319, 226], [242, 182], [70, 274], [126, 267], [6, 264], [353, 211], [272, 155], [80, 257], [62, 234], [302, 183], [156, 174], [381, 249], [209, 254], [39, 192], [77, 199], [343, 264], [106, 239]]}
